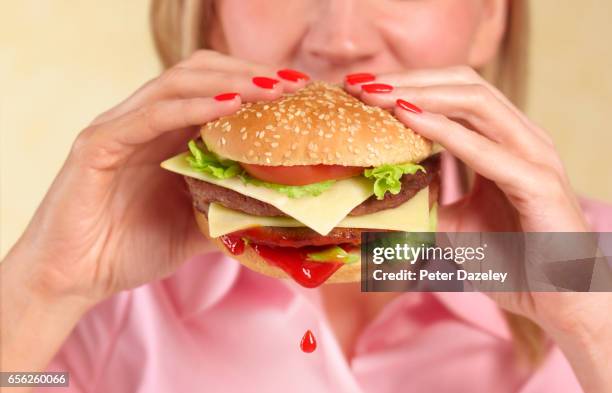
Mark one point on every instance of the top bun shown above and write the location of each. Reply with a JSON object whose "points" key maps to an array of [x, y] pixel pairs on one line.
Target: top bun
{"points": [[319, 124]]}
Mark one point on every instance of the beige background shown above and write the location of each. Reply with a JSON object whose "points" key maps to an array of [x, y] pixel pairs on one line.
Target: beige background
{"points": [[64, 61]]}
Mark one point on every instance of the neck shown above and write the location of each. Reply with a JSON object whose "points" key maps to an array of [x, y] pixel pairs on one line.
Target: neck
{"points": [[350, 311]]}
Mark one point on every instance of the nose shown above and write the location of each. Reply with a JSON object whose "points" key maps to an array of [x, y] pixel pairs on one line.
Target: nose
{"points": [[341, 35]]}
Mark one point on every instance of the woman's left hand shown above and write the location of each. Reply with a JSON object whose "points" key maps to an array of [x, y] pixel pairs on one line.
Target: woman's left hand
{"points": [[520, 182]]}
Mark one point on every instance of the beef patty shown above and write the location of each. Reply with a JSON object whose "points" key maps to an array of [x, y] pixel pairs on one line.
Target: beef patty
{"points": [[204, 193]]}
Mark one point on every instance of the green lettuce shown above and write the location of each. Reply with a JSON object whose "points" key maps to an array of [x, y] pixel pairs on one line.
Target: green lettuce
{"points": [[207, 162], [333, 255], [314, 189], [387, 177]]}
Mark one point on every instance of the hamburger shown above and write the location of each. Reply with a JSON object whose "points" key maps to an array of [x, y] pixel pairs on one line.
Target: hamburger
{"points": [[287, 187]]}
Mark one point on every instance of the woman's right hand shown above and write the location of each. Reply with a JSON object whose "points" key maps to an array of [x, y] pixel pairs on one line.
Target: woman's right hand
{"points": [[113, 219]]}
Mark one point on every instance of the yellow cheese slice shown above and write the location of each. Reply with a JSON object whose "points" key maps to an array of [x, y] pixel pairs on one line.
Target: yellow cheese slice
{"points": [[412, 216], [321, 213]]}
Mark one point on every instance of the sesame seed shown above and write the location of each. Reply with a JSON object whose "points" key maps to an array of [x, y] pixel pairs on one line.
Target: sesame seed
{"points": [[274, 144]]}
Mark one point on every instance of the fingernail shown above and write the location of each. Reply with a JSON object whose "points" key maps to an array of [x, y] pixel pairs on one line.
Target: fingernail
{"points": [[377, 88], [362, 77], [226, 96], [264, 82], [408, 106], [292, 75]]}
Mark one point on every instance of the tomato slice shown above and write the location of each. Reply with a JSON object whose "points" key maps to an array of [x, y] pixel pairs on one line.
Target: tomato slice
{"points": [[300, 175]]}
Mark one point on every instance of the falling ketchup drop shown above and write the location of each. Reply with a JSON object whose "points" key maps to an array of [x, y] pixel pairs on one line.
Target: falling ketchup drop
{"points": [[308, 343]]}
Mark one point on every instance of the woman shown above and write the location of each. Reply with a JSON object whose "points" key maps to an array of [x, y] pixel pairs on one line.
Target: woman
{"points": [[192, 319]]}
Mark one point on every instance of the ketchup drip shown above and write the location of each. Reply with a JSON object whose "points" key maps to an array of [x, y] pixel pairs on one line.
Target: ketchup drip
{"points": [[234, 244], [308, 343], [294, 262]]}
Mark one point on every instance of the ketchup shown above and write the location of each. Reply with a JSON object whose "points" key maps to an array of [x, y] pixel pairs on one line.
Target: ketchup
{"points": [[294, 262], [234, 244], [308, 343]]}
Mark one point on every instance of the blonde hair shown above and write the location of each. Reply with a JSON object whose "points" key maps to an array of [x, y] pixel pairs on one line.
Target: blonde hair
{"points": [[179, 29]]}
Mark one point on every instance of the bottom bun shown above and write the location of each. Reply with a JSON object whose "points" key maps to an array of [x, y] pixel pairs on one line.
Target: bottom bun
{"points": [[252, 260]]}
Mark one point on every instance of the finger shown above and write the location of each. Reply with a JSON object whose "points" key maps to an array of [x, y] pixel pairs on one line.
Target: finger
{"points": [[473, 104], [458, 75], [484, 156], [291, 79], [108, 145], [184, 83], [353, 82], [214, 61]]}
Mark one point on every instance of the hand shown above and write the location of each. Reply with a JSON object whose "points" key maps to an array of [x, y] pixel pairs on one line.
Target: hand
{"points": [[113, 219], [520, 183]]}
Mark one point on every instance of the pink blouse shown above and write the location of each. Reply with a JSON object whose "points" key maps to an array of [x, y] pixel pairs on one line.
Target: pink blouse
{"points": [[215, 326]]}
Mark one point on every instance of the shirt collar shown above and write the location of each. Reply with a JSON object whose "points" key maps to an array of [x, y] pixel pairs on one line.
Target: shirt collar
{"points": [[201, 282], [478, 310]]}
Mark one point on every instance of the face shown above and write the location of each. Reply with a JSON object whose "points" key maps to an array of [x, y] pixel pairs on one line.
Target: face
{"points": [[330, 38]]}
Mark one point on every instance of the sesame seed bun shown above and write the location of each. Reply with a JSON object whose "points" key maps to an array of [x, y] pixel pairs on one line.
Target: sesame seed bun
{"points": [[250, 259], [319, 124]]}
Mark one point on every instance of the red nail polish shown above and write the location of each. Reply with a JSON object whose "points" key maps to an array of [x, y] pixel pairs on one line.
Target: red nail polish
{"points": [[408, 106], [377, 88], [292, 75], [226, 96], [264, 82], [363, 77]]}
